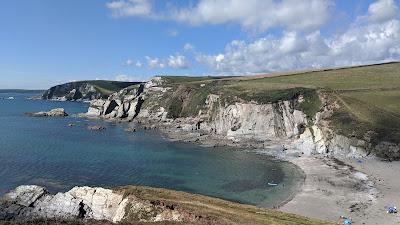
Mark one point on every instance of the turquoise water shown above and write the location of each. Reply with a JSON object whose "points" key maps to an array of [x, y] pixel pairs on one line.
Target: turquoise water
{"points": [[45, 151]]}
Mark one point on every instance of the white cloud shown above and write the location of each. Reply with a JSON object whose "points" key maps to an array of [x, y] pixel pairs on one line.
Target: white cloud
{"points": [[368, 43], [255, 15], [382, 10], [291, 42], [258, 15], [154, 63], [177, 61], [138, 64], [173, 61], [188, 47], [121, 8]]}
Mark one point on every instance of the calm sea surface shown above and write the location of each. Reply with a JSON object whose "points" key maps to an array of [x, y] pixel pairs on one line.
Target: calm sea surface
{"points": [[45, 151]]}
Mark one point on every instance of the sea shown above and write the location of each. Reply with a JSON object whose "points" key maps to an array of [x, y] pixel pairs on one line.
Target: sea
{"points": [[50, 153]]}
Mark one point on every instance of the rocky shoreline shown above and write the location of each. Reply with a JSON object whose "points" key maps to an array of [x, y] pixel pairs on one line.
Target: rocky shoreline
{"points": [[280, 129]]}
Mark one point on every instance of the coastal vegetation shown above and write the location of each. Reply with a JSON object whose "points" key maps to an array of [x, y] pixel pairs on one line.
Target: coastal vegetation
{"points": [[87, 89], [367, 96], [216, 210]]}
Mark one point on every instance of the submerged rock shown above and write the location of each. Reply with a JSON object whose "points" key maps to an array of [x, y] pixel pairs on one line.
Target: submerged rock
{"points": [[97, 127], [130, 130], [58, 112]]}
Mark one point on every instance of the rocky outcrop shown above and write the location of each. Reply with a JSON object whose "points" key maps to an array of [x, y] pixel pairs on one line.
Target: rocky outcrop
{"points": [[30, 202], [260, 122], [124, 104], [58, 112], [96, 127]]}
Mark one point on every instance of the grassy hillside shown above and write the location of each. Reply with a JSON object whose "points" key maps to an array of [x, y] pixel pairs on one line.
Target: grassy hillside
{"points": [[102, 88], [107, 87], [218, 211], [369, 96]]}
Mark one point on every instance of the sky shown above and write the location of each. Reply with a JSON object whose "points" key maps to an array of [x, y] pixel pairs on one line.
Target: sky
{"points": [[47, 42]]}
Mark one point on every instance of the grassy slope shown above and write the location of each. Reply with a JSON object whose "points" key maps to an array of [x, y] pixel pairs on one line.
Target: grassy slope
{"points": [[223, 211], [369, 96], [106, 87]]}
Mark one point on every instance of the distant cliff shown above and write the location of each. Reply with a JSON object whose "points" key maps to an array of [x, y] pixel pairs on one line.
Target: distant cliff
{"points": [[85, 90]]}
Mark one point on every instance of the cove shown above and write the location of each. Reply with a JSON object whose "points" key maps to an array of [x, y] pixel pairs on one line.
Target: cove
{"points": [[47, 152]]}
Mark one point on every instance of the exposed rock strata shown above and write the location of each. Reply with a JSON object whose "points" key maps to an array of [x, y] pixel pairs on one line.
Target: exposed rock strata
{"points": [[240, 122], [124, 104], [34, 202]]}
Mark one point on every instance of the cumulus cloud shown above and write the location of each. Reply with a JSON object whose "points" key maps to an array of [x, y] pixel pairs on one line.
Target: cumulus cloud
{"points": [[177, 61], [257, 15], [382, 10], [121, 8], [370, 43], [154, 63], [130, 62], [188, 47]]}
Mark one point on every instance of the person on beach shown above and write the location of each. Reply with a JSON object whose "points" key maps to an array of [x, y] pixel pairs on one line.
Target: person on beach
{"points": [[346, 221]]}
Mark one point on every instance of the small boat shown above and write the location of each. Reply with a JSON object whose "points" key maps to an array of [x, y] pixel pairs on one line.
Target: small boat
{"points": [[272, 184], [10, 98]]}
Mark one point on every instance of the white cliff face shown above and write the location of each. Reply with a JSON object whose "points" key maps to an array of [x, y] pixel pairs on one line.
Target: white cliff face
{"points": [[33, 202], [255, 121], [122, 104], [30, 201]]}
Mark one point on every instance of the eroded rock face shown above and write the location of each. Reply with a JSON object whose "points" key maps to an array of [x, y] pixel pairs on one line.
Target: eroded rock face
{"points": [[120, 105], [255, 121], [59, 112], [30, 201]]}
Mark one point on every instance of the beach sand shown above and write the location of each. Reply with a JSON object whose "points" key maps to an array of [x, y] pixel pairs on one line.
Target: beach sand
{"points": [[359, 189]]}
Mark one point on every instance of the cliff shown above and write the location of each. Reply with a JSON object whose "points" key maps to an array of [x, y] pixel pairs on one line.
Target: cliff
{"points": [[85, 90], [351, 112], [132, 205]]}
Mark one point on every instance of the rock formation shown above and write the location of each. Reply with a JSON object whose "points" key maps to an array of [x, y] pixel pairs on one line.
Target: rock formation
{"points": [[30, 202], [96, 127], [236, 121], [58, 112]]}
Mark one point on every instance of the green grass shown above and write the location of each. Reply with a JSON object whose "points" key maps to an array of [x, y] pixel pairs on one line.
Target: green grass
{"points": [[106, 87], [219, 211], [369, 96]]}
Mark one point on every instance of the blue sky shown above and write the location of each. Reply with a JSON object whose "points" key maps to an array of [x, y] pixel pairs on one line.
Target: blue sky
{"points": [[47, 42]]}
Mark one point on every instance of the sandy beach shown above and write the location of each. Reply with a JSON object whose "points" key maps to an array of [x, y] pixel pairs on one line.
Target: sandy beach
{"points": [[360, 189]]}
